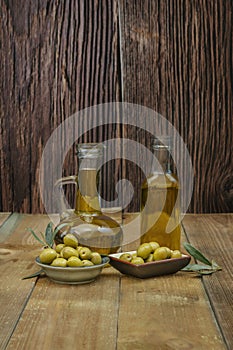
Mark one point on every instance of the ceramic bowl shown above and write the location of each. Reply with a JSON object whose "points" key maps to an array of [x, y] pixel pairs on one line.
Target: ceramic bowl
{"points": [[150, 269], [73, 275]]}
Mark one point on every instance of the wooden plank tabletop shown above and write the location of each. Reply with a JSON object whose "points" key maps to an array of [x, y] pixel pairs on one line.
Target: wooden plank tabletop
{"points": [[180, 311], [213, 235], [3, 217]]}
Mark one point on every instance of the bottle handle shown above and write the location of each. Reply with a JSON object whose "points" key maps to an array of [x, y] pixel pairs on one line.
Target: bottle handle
{"points": [[63, 206]]}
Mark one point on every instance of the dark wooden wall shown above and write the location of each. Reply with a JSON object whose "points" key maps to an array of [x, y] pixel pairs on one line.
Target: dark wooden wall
{"points": [[58, 57]]}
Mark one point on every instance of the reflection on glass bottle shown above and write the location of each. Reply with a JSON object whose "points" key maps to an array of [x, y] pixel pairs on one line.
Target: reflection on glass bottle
{"points": [[92, 228], [160, 210]]}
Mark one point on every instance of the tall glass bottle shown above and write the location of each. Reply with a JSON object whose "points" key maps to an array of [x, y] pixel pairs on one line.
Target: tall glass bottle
{"points": [[92, 228], [160, 209]]}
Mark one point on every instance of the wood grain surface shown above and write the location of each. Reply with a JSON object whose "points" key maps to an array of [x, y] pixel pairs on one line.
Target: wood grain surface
{"points": [[115, 311], [57, 58], [3, 217], [17, 261], [76, 311], [213, 235], [159, 306], [69, 302], [177, 60]]}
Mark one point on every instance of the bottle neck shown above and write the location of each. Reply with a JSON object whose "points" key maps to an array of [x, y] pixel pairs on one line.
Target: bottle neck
{"points": [[163, 163], [87, 198]]}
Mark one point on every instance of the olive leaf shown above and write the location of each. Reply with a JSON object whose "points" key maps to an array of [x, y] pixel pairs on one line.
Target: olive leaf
{"points": [[49, 235], [207, 269], [197, 267], [47, 239], [196, 254], [201, 269], [38, 273], [215, 265], [35, 236]]}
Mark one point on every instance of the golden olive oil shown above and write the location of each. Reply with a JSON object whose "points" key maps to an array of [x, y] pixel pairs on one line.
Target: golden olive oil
{"points": [[87, 200], [160, 210], [92, 228]]}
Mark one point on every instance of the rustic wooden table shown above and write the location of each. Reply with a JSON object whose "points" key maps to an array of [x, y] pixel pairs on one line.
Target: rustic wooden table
{"points": [[180, 311]]}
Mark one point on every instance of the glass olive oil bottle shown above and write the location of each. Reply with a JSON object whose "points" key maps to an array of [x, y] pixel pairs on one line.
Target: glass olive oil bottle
{"points": [[92, 228], [160, 209]]}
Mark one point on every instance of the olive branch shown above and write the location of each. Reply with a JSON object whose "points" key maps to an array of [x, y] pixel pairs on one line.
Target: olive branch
{"points": [[208, 268], [46, 239]]}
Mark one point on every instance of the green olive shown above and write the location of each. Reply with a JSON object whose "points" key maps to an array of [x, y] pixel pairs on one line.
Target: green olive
{"points": [[169, 252], [154, 245], [59, 247], [87, 263], [70, 240], [150, 258], [144, 250], [59, 262], [176, 254], [67, 252], [126, 257], [160, 253], [79, 248], [74, 261], [85, 253], [137, 261], [96, 258], [47, 255]]}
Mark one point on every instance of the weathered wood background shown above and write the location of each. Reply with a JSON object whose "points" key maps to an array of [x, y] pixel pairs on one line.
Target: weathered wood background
{"points": [[58, 57]]}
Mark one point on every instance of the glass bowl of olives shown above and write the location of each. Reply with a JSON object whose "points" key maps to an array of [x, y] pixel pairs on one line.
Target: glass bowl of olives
{"points": [[149, 260]]}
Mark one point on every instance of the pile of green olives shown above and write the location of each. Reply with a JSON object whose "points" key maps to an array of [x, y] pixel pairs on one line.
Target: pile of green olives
{"points": [[148, 252], [70, 254]]}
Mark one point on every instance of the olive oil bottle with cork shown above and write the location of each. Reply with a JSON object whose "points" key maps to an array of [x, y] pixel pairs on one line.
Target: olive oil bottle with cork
{"points": [[160, 207]]}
